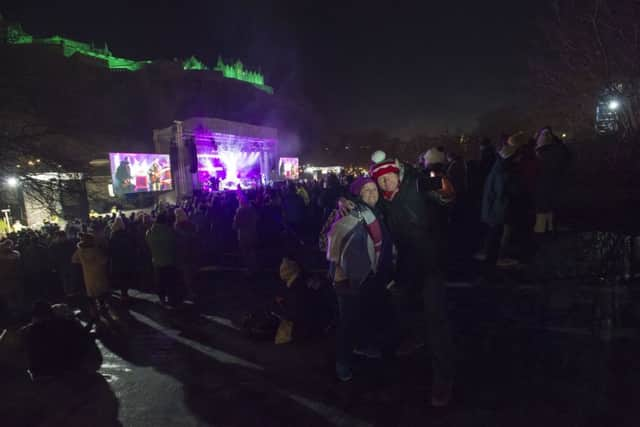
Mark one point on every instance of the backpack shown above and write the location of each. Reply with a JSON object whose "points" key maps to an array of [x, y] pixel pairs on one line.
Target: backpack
{"points": [[324, 231]]}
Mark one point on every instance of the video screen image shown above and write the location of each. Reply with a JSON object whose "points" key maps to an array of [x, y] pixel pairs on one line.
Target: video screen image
{"points": [[288, 167], [140, 172]]}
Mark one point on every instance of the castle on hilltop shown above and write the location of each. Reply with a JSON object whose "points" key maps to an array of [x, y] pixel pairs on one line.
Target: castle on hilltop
{"points": [[14, 34]]}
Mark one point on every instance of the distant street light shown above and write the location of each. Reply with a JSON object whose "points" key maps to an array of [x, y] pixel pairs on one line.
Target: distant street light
{"points": [[614, 105], [12, 181]]}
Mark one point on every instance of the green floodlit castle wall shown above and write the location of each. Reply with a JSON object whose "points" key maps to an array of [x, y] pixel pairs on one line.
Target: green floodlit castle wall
{"points": [[231, 71], [16, 35], [237, 71], [193, 63]]}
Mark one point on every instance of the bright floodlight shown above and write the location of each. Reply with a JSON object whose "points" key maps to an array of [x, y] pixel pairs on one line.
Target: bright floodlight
{"points": [[12, 181], [614, 104]]}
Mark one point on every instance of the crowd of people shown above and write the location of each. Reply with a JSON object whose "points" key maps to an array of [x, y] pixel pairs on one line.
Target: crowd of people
{"points": [[391, 239]]}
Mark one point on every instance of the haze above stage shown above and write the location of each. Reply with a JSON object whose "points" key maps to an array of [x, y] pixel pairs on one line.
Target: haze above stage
{"points": [[202, 147]]}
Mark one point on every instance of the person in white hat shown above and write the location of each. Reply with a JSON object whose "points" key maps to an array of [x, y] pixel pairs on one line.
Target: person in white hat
{"points": [[434, 158]]}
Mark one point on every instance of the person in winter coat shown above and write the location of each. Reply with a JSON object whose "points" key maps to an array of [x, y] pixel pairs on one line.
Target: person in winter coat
{"points": [[200, 220], [410, 204], [187, 245], [302, 192], [435, 166], [501, 200], [35, 263], [434, 163], [122, 257], [457, 174], [62, 249], [245, 224], [271, 221], [94, 262], [10, 284], [328, 198], [294, 210], [144, 265], [460, 247], [361, 259], [487, 159], [553, 158], [162, 242]]}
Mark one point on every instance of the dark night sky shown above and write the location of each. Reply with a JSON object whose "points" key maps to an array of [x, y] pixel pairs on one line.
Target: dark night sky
{"points": [[421, 67]]}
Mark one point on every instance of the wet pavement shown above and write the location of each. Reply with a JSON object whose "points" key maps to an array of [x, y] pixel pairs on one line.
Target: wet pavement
{"points": [[191, 367]]}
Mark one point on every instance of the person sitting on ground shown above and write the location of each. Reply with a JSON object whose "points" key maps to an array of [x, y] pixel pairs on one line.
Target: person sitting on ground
{"points": [[299, 307], [53, 343]]}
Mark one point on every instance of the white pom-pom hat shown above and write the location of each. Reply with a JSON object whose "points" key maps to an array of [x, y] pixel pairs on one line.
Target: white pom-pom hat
{"points": [[434, 156], [378, 156]]}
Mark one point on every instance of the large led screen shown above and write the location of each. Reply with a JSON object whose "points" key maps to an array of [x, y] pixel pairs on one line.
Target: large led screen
{"points": [[140, 172], [288, 167]]}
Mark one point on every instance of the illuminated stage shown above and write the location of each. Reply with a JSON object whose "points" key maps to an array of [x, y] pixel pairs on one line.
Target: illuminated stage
{"points": [[211, 154]]}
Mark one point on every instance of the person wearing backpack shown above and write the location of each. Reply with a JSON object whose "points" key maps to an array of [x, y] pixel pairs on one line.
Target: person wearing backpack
{"points": [[360, 252]]}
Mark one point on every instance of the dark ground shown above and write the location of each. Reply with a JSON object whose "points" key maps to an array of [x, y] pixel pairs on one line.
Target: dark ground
{"points": [[191, 367]]}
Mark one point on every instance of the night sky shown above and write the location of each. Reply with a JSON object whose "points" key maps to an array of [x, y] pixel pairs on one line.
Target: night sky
{"points": [[424, 67]]}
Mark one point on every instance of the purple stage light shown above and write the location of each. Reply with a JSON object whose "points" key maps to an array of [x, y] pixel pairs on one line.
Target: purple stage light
{"points": [[238, 164], [230, 158]]}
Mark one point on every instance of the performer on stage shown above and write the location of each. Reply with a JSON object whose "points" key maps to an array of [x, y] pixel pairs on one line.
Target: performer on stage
{"points": [[155, 176], [123, 182]]}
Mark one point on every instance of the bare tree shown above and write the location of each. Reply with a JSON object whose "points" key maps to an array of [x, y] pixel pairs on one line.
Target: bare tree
{"points": [[591, 50], [37, 153], [43, 162]]}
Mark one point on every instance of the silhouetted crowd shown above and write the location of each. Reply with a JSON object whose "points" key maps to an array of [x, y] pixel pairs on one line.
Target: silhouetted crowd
{"points": [[391, 240]]}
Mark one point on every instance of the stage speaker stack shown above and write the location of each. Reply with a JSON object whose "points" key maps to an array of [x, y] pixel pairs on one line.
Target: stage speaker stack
{"points": [[193, 153]]}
